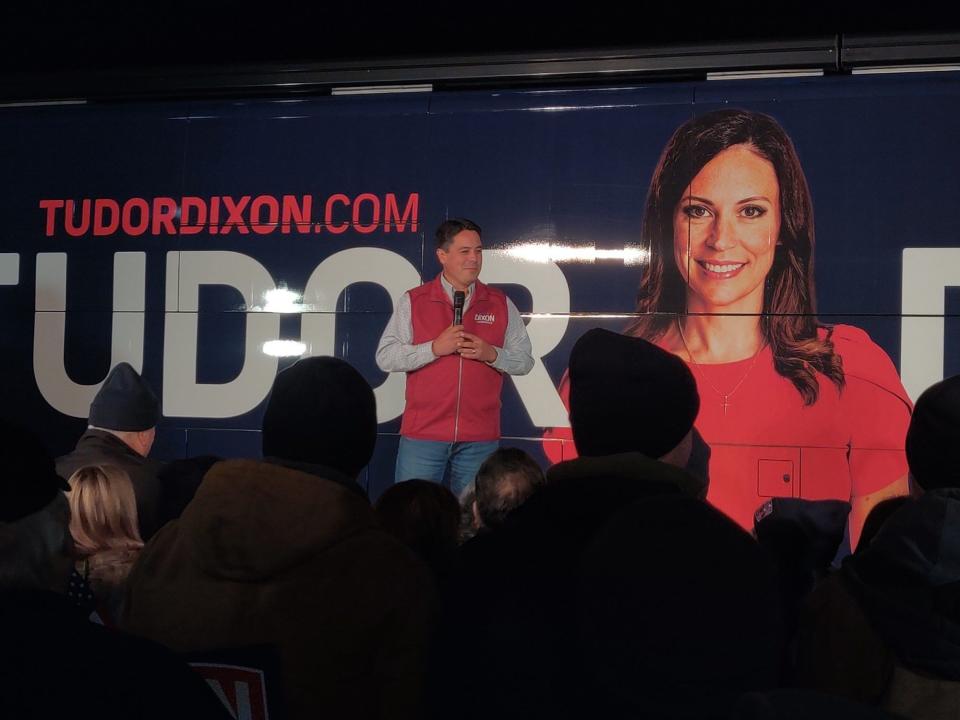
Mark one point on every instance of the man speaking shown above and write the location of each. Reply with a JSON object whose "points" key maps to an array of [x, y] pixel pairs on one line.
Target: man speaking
{"points": [[454, 337]]}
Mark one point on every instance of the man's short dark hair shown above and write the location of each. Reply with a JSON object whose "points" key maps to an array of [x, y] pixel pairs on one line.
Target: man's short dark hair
{"points": [[449, 229], [504, 482]]}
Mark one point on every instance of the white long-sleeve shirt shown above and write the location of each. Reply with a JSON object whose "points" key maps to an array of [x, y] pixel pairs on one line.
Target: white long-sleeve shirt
{"points": [[397, 352]]}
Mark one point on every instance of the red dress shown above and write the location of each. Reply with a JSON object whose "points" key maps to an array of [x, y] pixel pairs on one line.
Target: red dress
{"points": [[768, 444]]}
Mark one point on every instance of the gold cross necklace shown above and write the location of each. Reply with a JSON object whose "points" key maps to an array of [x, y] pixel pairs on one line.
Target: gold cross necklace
{"points": [[724, 397]]}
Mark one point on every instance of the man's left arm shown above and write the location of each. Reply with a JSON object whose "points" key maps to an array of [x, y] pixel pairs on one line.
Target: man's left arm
{"points": [[516, 355]]}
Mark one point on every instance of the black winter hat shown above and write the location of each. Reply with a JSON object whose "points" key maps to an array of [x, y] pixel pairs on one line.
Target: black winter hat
{"points": [[321, 411], [628, 395], [29, 480], [125, 402], [934, 436]]}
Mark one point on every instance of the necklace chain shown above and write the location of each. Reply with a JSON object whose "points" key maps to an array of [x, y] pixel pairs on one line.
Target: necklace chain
{"points": [[724, 397]]}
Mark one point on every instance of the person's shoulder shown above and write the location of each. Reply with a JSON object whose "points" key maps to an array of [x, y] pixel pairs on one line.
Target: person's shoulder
{"points": [[491, 289], [89, 443], [152, 466], [844, 333], [424, 288], [146, 668], [67, 464], [863, 359], [485, 291], [98, 447], [290, 484], [382, 549], [855, 346]]}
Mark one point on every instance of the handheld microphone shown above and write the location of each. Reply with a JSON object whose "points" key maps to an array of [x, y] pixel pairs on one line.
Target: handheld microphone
{"points": [[458, 298]]}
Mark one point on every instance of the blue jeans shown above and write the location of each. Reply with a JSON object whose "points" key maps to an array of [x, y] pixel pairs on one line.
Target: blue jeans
{"points": [[429, 460]]}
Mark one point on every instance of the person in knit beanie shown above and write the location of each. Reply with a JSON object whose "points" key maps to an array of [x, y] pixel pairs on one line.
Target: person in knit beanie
{"points": [[633, 404], [632, 408], [121, 428], [321, 412], [934, 436], [626, 395]]}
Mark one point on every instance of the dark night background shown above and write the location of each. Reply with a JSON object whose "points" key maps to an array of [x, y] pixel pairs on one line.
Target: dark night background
{"points": [[91, 36]]}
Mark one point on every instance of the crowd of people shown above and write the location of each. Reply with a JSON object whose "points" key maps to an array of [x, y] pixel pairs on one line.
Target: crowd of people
{"points": [[606, 587]]}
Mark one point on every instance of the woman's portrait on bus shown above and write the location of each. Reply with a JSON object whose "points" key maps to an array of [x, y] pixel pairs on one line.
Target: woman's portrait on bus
{"points": [[790, 406]]}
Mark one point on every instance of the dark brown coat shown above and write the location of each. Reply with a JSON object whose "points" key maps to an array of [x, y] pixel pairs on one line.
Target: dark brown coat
{"points": [[266, 555]]}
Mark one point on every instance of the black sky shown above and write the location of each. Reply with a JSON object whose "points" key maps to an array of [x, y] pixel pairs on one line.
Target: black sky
{"points": [[45, 37]]}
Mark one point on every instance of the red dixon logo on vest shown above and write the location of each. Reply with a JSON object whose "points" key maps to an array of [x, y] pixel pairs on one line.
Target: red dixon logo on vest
{"points": [[486, 319]]}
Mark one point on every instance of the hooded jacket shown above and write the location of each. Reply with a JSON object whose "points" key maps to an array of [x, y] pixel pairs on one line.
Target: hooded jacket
{"points": [[886, 630], [517, 584], [271, 556]]}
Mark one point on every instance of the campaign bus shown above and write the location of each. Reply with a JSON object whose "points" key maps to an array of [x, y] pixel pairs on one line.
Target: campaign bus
{"points": [[211, 243]]}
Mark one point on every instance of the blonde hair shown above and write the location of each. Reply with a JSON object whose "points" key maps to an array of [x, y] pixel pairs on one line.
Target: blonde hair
{"points": [[103, 510]]}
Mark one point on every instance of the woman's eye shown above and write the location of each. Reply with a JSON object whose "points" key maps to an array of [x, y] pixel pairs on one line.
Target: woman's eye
{"points": [[753, 211], [696, 211]]}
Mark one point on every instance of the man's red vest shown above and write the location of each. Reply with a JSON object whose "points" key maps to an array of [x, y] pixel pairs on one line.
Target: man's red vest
{"points": [[453, 399]]}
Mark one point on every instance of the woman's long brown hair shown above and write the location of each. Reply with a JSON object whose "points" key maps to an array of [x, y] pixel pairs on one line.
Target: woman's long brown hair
{"points": [[788, 321]]}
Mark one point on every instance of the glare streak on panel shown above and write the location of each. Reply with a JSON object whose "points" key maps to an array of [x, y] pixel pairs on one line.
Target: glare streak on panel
{"points": [[556, 253], [284, 348]]}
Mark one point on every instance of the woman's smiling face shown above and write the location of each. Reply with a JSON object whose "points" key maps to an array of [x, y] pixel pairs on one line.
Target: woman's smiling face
{"points": [[725, 231]]}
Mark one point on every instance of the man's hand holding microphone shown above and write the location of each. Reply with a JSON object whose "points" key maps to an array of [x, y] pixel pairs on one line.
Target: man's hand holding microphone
{"points": [[456, 339]]}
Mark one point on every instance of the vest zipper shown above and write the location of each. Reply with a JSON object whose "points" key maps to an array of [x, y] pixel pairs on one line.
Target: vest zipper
{"points": [[456, 417]]}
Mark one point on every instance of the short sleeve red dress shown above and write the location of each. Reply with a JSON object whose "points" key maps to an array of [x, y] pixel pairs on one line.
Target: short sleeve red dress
{"points": [[766, 443]]}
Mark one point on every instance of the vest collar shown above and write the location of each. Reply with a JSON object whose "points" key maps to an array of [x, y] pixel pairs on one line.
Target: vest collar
{"points": [[441, 291]]}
